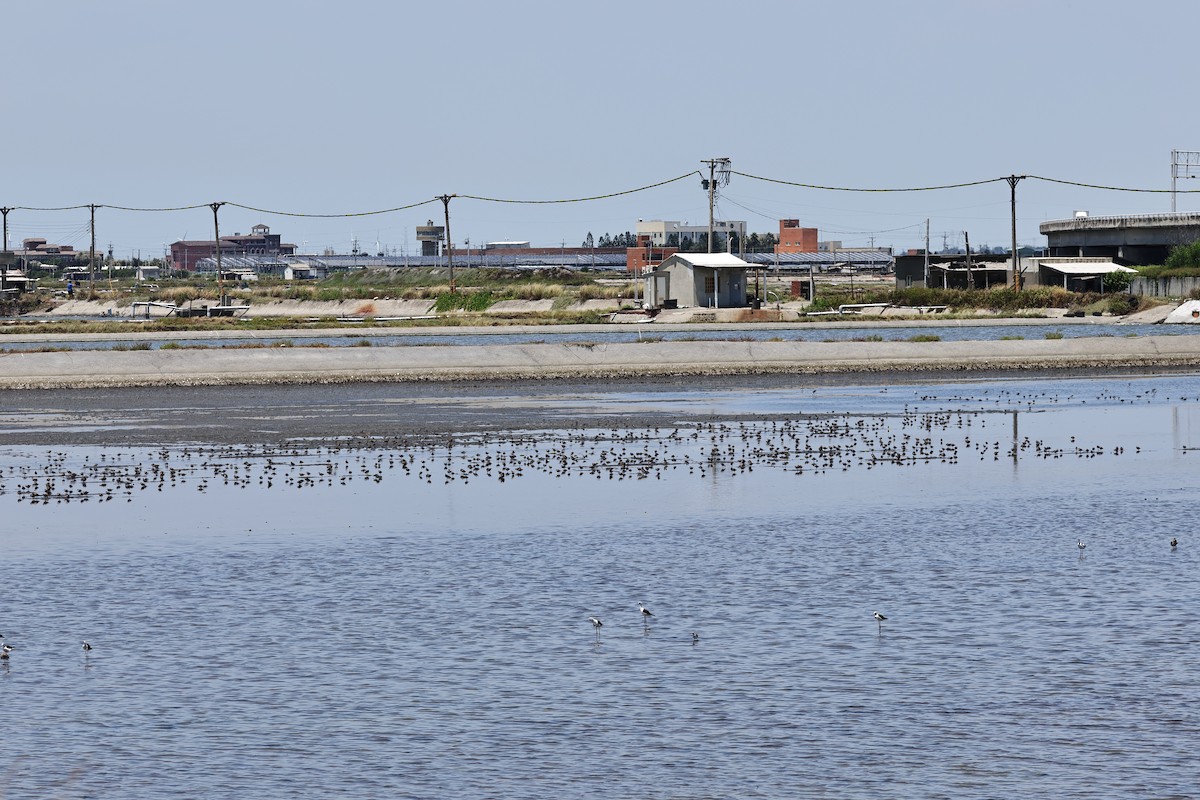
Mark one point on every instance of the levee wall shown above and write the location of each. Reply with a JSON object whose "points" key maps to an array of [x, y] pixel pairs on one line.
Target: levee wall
{"points": [[1164, 287]]}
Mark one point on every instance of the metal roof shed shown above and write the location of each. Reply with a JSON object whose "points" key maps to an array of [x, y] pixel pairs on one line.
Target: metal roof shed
{"points": [[716, 280]]}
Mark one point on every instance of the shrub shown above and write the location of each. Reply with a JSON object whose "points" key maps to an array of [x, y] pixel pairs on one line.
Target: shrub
{"points": [[1054, 335], [1185, 256], [1117, 281], [479, 301], [1122, 304]]}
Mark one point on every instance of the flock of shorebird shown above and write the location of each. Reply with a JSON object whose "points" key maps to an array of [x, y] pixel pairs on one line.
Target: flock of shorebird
{"points": [[811, 443]]}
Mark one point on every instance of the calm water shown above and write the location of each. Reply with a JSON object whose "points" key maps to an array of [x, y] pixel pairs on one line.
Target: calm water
{"points": [[328, 623], [634, 333]]}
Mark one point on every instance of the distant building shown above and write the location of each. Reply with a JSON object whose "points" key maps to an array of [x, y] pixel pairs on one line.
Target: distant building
{"points": [[646, 256], [794, 239], [431, 236], [186, 255], [664, 233], [952, 271], [36, 250]]}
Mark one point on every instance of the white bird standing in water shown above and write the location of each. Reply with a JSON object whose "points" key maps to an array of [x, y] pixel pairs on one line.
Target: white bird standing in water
{"points": [[646, 615], [4, 651], [1080, 544], [879, 618], [597, 624], [87, 647]]}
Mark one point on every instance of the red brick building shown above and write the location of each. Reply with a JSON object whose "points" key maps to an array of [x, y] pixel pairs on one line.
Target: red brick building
{"points": [[794, 239], [646, 256], [259, 242]]}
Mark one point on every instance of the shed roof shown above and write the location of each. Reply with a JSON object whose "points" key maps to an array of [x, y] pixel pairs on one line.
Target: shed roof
{"points": [[711, 260], [1085, 267]]}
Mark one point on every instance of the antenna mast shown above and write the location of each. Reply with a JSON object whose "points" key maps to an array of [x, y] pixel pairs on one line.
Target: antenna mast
{"points": [[1184, 164]]}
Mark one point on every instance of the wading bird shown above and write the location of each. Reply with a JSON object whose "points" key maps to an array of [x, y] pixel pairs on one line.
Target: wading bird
{"points": [[879, 618], [597, 624], [1079, 543], [1174, 542], [4, 651], [646, 615]]}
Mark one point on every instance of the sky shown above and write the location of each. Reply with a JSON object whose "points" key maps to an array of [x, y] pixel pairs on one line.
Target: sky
{"points": [[362, 105]]}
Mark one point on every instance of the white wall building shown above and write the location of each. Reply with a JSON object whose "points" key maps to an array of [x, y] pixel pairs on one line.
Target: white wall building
{"points": [[660, 230]]}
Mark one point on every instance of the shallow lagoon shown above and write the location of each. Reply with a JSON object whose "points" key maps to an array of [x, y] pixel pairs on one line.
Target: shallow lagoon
{"points": [[327, 622]]}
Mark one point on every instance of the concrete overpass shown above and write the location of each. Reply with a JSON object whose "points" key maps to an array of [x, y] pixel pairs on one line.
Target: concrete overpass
{"points": [[1132, 238]]}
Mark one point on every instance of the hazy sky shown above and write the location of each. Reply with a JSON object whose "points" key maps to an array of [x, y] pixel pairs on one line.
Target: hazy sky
{"points": [[357, 105]]}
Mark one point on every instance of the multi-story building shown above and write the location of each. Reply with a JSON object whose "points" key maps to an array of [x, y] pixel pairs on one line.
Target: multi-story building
{"points": [[259, 242], [794, 239], [669, 233]]}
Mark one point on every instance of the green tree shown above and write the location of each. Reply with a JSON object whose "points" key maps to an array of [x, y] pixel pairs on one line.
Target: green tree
{"points": [[1117, 281], [1185, 256]]}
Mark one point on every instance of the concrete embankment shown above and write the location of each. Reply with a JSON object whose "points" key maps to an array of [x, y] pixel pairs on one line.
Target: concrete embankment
{"points": [[540, 361]]}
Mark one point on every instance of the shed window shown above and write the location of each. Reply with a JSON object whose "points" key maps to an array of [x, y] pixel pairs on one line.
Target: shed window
{"points": [[710, 284]]}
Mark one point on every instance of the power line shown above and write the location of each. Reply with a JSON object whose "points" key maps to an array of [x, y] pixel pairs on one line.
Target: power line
{"points": [[1111, 188], [332, 216], [582, 199], [865, 189], [869, 189], [176, 208]]}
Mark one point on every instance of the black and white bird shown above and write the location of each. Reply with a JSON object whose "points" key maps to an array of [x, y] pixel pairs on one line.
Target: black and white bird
{"points": [[597, 624], [1174, 542], [645, 611], [87, 647], [4, 651], [1080, 544], [879, 618], [695, 638]]}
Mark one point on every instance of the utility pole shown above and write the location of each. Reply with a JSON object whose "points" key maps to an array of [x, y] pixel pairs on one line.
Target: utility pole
{"points": [[4, 264], [1013, 180], [217, 241], [711, 185], [449, 248], [712, 194], [92, 255], [927, 252], [970, 277]]}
